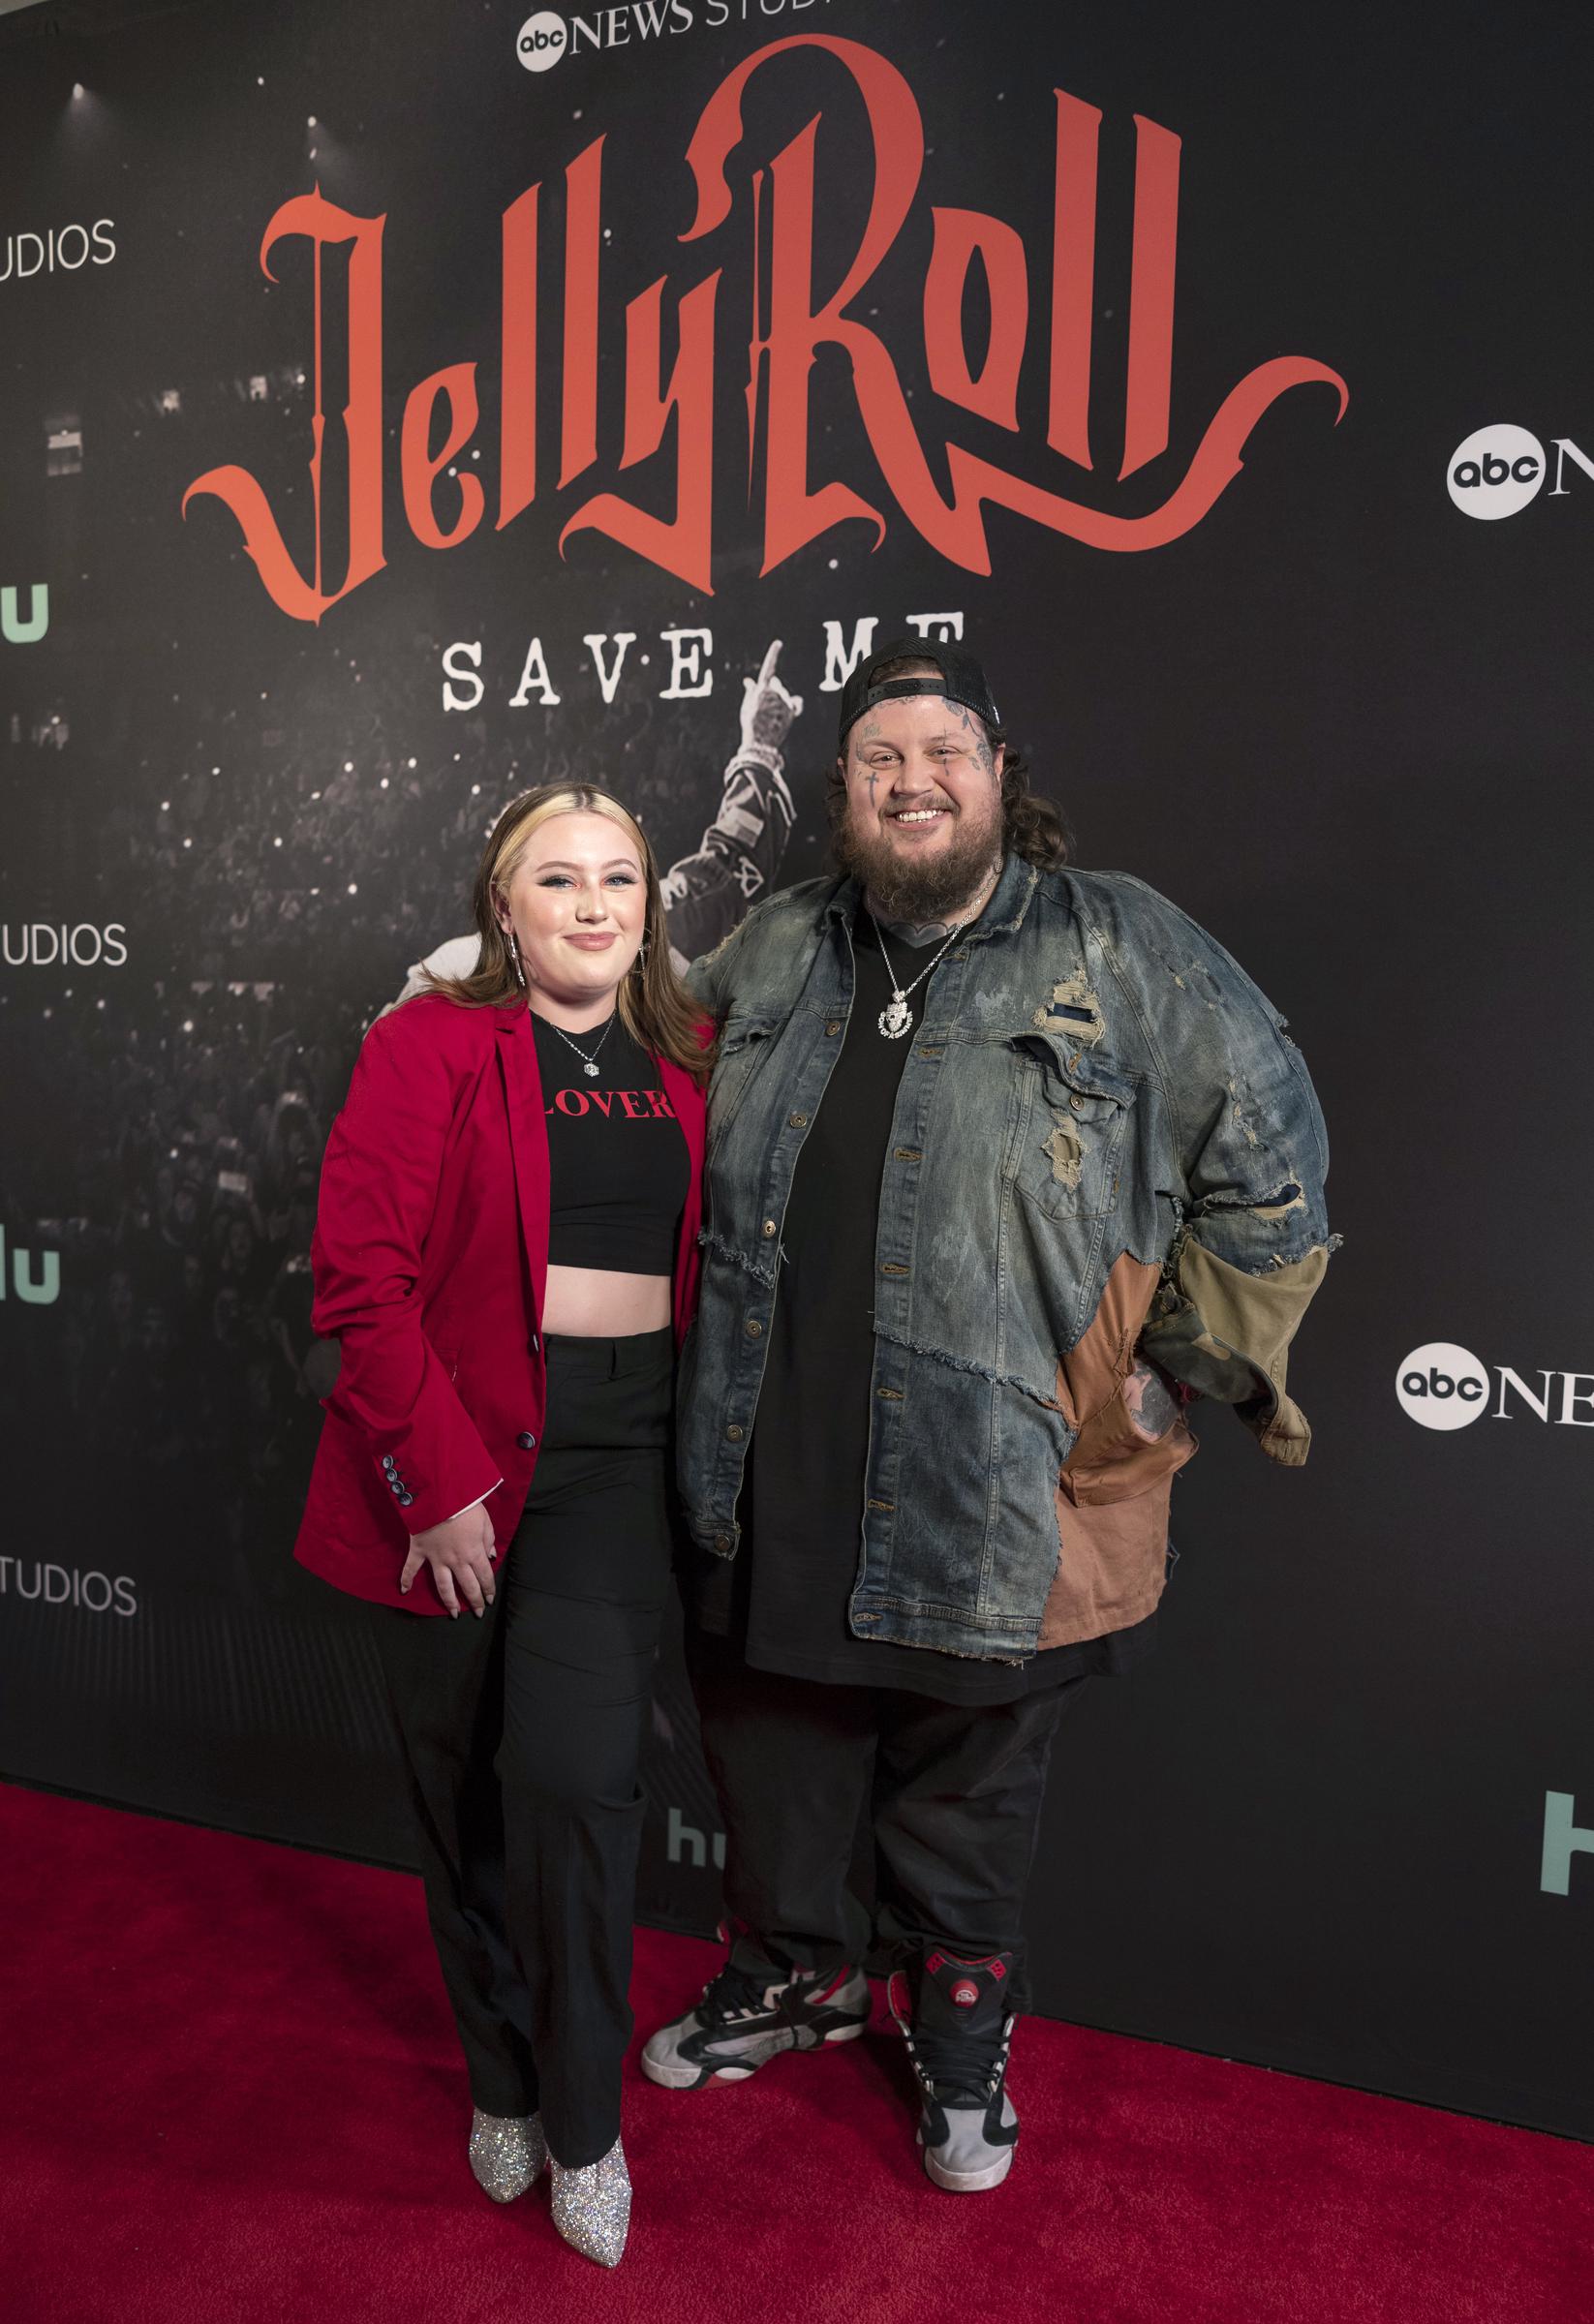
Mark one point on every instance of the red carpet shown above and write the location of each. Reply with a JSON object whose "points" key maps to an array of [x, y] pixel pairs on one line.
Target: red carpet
{"points": [[231, 2094]]}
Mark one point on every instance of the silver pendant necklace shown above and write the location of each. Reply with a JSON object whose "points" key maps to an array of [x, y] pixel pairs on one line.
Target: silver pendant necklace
{"points": [[588, 1058], [897, 1018]]}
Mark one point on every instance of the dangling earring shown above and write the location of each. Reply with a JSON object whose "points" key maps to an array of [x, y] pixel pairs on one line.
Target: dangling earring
{"points": [[514, 959], [641, 961]]}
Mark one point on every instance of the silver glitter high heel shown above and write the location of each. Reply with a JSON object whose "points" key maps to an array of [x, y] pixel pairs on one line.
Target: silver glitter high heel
{"points": [[507, 2150], [592, 2206]]}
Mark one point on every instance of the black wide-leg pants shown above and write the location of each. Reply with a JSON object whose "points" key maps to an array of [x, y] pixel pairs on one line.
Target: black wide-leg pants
{"points": [[953, 1793], [522, 1732]]}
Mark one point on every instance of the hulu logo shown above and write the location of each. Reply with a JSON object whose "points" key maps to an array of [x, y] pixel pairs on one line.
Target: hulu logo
{"points": [[40, 1292]]}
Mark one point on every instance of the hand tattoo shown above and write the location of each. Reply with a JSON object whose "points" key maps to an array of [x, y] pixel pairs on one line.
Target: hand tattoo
{"points": [[1154, 1408]]}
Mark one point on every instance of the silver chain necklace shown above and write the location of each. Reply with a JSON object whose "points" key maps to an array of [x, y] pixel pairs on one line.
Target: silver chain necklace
{"points": [[589, 1060], [897, 1018]]}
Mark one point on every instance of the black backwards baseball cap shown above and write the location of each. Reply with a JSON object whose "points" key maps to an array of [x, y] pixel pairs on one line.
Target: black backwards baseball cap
{"points": [[962, 680]]}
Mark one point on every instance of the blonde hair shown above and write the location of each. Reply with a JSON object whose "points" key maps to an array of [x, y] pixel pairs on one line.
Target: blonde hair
{"points": [[654, 1003]]}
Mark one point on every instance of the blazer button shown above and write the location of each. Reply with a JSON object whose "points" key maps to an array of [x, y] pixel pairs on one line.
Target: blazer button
{"points": [[405, 1500], [389, 1463], [526, 1440], [535, 1343], [395, 1485]]}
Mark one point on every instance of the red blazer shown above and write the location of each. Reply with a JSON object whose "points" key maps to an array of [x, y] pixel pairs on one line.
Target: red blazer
{"points": [[431, 1261]]}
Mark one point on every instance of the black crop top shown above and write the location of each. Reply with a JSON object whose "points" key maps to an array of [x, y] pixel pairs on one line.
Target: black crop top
{"points": [[617, 1155]]}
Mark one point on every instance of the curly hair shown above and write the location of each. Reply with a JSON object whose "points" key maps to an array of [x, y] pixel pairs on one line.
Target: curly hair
{"points": [[1033, 826]]}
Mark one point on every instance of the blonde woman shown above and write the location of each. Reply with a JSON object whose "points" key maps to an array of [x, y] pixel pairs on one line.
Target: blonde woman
{"points": [[505, 1250]]}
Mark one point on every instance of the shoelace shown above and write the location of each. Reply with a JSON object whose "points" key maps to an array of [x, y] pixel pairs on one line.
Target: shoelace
{"points": [[952, 2069], [736, 1993]]}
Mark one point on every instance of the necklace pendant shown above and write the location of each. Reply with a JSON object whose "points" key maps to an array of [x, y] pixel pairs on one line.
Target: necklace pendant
{"points": [[590, 1069], [895, 1018]]}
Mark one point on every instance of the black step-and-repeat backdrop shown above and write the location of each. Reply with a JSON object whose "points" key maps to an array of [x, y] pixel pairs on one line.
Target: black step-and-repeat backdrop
{"points": [[402, 403]]}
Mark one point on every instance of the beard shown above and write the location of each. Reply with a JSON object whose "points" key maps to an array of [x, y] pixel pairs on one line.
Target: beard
{"points": [[905, 889]]}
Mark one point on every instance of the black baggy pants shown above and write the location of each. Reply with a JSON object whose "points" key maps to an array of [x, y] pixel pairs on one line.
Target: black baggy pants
{"points": [[953, 1793], [521, 1733]]}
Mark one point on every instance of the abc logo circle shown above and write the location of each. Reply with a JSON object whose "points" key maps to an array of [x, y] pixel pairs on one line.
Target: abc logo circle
{"points": [[1442, 1386], [539, 44], [1497, 471]]}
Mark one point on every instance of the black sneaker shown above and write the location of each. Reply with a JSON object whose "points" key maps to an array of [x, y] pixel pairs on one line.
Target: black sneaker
{"points": [[741, 2022], [954, 2018]]}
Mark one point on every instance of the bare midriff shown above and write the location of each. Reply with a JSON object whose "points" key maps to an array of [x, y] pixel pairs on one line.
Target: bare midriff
{"points": [[593, 1302]]}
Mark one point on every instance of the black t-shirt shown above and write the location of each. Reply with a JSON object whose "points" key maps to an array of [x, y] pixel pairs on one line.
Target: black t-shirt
{"points": [[783, 1597], [617, 1156]]}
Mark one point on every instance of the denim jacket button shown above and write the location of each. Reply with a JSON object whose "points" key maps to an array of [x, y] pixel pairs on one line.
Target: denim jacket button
{"points": [[769, 1228], [721, 1540], [1076, 1102], [834, 1027], [797, 1121], [734, 1432], [754, 1328]]}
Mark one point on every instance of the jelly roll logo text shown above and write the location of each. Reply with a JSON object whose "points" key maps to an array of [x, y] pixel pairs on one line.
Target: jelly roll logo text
{"points": [[1032, 377]]}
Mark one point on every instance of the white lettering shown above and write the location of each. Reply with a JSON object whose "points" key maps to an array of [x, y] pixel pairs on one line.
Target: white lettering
{"points": [[609, 679], [842, 660], [458, 672], [535, 673], [1539, 1405], [1563, 446], [689, 650], [946, 627]]}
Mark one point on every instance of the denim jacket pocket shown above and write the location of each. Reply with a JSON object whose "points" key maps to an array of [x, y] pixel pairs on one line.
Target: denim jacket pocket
{"points": [[1074, 1113], [744, 1043]]}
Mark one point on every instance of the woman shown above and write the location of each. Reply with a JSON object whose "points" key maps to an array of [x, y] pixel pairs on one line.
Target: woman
{"points": [[505, 1250]]}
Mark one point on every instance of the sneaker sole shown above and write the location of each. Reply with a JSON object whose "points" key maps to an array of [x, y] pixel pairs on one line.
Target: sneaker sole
{"points": [[968, 2182], [698, 2077]]}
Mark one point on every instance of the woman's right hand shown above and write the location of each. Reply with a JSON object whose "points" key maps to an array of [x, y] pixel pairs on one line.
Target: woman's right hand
{"points": [[460, 1553]]}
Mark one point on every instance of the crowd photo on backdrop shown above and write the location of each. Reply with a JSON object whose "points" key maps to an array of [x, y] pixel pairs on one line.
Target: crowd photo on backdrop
{"points": [[1007, 1165]]}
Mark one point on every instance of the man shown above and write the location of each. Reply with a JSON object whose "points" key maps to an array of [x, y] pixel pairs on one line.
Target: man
{"points": [[1007, 1162]]}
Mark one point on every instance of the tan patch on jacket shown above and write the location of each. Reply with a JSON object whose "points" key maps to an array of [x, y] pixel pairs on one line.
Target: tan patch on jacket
{"points": [[1114, 1488]]}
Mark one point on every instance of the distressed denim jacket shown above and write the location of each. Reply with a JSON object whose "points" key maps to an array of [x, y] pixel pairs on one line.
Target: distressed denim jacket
{"points": [[1104, 1141]]}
